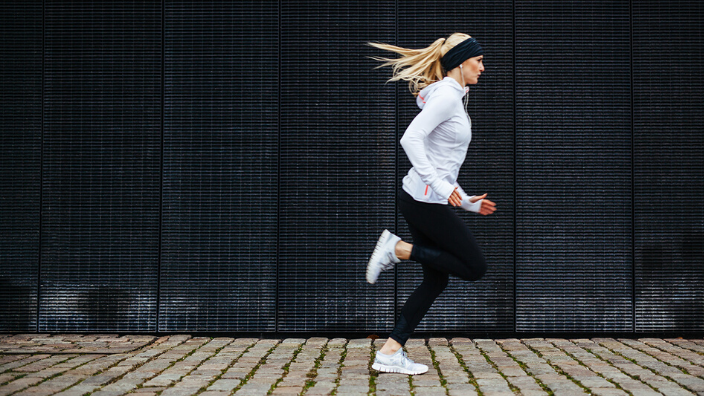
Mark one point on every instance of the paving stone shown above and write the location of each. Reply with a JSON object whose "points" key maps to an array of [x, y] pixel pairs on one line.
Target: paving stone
{"points": [[179, 391], [422, 381], [392, 392], [593, 382], [321, 388], [263, 379], [292, 382], [559, 384], [43, 363], [677, 350], [691, 345], [17, 385], [639, 389], [642, 359], [461, 390], [392, 382], [433, 342], [643, 367], [447, 362], [164, 379], [236, 374], [73, 343], [533, 393], [253, 389], [6, 377], [526, 385], [495, 384], [11, 358], [353, 388], [431, 391], [359, 343], [692, 383], [512, 371], [224, 385], [672, 391], [116, 389], [607, 392], [498, 393], [59, 383], [669, 359], [287, 390], [151, 389]]}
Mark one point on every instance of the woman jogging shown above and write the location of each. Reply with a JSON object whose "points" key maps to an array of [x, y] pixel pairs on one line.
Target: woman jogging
{"points": [[436, 143]]}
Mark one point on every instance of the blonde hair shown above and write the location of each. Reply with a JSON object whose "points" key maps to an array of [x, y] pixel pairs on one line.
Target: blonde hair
{"points": [[420, 67]]}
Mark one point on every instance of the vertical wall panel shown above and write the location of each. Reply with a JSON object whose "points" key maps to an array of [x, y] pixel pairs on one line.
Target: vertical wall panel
{"points": [[337, 165], [101, 168], [669, 164], [485, 305], [573, 166], [218, 270], [20, 159]]}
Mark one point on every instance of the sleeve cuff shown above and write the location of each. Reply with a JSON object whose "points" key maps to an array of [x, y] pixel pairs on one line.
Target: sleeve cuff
{"points": [[443, 188], [471, 207]]}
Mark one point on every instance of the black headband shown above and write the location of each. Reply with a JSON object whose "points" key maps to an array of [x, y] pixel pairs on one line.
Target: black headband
{"points": [[460, 53]]}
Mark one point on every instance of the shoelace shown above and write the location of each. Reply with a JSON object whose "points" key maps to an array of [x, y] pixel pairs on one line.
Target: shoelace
{"points": [[405, 360]]}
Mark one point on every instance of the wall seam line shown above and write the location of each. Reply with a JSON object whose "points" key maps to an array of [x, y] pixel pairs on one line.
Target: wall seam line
{"points": [[161, 167], [515, 211], [278, 173], [396, 165], [633, 179], [41, 170]]}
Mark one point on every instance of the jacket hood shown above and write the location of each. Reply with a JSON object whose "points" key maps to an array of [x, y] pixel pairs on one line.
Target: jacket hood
{"points": [[447, 84]]}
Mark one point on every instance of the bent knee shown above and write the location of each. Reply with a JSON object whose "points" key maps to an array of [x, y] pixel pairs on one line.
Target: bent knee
{"points": [[479, 272], [474, 271]]}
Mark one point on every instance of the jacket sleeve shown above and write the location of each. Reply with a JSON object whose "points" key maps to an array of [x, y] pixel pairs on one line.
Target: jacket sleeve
{"points": [[434, 112], [466, 204]]}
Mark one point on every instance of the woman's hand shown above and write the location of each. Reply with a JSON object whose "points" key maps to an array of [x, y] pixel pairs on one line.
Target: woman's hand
{"points": [[455, 198], [487, 208]]}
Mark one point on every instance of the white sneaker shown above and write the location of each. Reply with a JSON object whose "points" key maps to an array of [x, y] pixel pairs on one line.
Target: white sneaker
{"points": [[383, 257], [397, 363]]}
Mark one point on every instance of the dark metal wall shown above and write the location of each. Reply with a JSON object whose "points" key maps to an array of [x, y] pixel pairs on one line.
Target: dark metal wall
{"points": [[337, 162], [668, 165], [220, 166], [100, 173], [227, 166], [574, 260], [20, 162]]}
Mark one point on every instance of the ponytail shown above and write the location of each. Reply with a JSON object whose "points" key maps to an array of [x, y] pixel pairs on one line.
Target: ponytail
{"points": [[419, 67]]}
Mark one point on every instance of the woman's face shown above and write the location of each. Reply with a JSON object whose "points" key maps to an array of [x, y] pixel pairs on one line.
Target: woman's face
{"points": [[472, 69]]}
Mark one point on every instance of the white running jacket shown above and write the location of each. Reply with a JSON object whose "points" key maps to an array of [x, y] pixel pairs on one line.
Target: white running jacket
{"points": [[436, 143]]}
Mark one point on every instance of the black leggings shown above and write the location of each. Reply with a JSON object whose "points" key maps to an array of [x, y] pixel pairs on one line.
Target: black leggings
{"points": [[443, 245]]}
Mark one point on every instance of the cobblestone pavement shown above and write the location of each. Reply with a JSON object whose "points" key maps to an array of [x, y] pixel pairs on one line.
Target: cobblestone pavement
{"points": [[175, 365]]}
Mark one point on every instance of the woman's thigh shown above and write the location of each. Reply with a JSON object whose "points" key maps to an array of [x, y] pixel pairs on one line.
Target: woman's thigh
{"points": [[438, 226], [432, 276]]}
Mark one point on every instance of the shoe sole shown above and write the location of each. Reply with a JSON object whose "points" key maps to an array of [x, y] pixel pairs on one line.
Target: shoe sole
{"points": [[377, 249], [393, 369]]}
